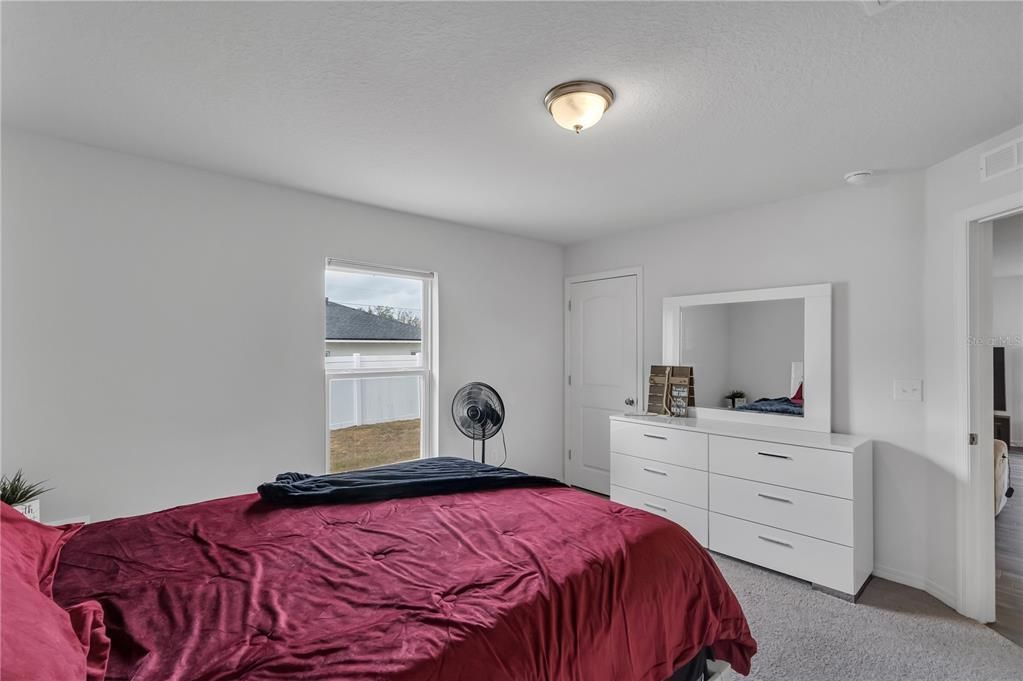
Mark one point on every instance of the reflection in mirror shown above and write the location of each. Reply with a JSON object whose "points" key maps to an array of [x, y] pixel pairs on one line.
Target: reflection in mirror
{"points": [[752, 347]]}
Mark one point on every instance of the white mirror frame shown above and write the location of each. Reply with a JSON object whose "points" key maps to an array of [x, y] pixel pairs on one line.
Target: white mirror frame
{"points": [[816, 352]]}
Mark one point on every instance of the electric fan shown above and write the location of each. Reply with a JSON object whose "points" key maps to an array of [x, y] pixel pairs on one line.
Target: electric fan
{"points": [[478, 413]]}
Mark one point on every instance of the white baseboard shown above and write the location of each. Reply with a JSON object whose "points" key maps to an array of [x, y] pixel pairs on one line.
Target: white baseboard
{"points": [[917, 582]]}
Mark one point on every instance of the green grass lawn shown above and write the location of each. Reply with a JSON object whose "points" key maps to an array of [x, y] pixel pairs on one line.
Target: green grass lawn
{"points": [[373, 445]]}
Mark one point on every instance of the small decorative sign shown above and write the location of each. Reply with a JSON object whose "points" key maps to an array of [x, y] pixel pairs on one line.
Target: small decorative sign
{"points": [[671, 390], [29, 510]]}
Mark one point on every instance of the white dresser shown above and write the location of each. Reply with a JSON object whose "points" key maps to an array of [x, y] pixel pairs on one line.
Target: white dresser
{"points": [[794, 501]]}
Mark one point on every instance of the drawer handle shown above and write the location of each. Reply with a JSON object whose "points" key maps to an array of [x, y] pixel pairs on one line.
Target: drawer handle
{"points": [[774, 498], [771, 540], [775, 456], [654, 437], [654, 471], [656, 508]]}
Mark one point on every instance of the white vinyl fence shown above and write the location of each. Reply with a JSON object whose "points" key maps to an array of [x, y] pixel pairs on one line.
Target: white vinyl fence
{"points": [[357, 401]]}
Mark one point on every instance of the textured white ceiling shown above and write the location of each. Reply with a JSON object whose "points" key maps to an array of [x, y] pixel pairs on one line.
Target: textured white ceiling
{"points": [[436, 108]]}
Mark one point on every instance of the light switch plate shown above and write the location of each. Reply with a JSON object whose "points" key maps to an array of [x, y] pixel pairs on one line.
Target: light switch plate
{"points": [[908, 390]]}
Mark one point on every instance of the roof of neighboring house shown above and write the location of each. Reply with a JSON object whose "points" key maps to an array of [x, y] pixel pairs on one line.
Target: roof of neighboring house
{"points": [[349, 323]]}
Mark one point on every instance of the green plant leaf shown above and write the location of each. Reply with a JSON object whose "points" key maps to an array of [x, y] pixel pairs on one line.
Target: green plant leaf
{"points": [[16, 490]]}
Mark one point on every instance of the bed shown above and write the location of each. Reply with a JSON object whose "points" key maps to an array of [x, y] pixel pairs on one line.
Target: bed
{"points": [[502, 585], [774, 405]]}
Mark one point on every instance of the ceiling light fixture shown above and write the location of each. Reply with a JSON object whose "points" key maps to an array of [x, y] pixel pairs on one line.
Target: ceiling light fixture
{"points": [[858, 177], [578, 104]]}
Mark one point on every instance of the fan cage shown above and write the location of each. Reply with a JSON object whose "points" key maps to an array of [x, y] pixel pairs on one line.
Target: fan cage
{"points": [[478, 411]]}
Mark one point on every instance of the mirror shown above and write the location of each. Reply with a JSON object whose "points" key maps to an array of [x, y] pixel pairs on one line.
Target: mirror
{"points": [[754, 348], [760, 356]]}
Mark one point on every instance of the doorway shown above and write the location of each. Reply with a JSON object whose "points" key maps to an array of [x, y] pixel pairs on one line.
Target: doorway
{"points": [[1007, 379], [990, 536], [603, 369]]}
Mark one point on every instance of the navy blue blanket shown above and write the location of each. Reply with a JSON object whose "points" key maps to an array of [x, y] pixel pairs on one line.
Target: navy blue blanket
{"points": [[423, 477], [775, 405]]}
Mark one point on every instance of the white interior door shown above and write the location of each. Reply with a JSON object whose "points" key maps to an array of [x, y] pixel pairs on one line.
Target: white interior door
{"points": [[604, 375], [982, 417]]}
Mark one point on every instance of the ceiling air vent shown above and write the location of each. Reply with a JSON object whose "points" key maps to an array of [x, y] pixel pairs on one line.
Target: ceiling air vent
{"points": [[1004, 159]]}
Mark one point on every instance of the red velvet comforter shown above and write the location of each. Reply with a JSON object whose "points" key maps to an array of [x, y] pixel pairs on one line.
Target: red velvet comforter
{"points": [[510, 585]]}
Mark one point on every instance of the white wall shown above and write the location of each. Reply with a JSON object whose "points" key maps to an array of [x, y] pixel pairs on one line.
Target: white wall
{"points": [[951, 187], [156, 272], [865, 240]]}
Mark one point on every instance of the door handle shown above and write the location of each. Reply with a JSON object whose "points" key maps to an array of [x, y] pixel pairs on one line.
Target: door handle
{"points": [[654, 437], [629, 402], [654, 471], [775, 456], [655, 507], [774, 498], [771, 540]]}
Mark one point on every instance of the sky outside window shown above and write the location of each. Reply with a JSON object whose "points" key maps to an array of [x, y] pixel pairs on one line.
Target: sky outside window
{"points": [[372, 292]]}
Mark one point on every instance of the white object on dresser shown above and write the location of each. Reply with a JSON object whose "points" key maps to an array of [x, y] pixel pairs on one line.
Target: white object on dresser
{"points": [[30, 509], [794, 501]]}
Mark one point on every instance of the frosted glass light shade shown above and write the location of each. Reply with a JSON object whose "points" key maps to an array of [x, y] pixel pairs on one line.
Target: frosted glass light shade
{"points": [[578, 105]]}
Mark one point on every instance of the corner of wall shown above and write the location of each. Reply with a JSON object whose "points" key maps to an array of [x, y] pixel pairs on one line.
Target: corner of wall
{"points": [[951, 186]]}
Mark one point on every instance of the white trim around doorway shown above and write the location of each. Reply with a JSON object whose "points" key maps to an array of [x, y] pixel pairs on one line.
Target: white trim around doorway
{"points": [[975, 529]]}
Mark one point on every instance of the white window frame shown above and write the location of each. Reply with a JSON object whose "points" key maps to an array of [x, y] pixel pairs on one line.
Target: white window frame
{"points": [[426, 369]]}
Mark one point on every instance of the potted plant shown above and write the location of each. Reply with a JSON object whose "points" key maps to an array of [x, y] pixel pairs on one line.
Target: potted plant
{"points": [[22, 494], [736, 398]]}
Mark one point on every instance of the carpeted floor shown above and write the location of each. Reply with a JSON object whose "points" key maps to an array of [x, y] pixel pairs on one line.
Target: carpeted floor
{"points": [[894, 632]]}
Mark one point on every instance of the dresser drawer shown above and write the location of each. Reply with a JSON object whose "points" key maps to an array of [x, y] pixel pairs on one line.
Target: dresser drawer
{"points": [[670, 445], [814, 470], [664, 480], [691, 518], [816, 515], [814, 560]]}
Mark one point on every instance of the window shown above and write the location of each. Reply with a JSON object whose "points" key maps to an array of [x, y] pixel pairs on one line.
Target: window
{"points": [[377, 365]]}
